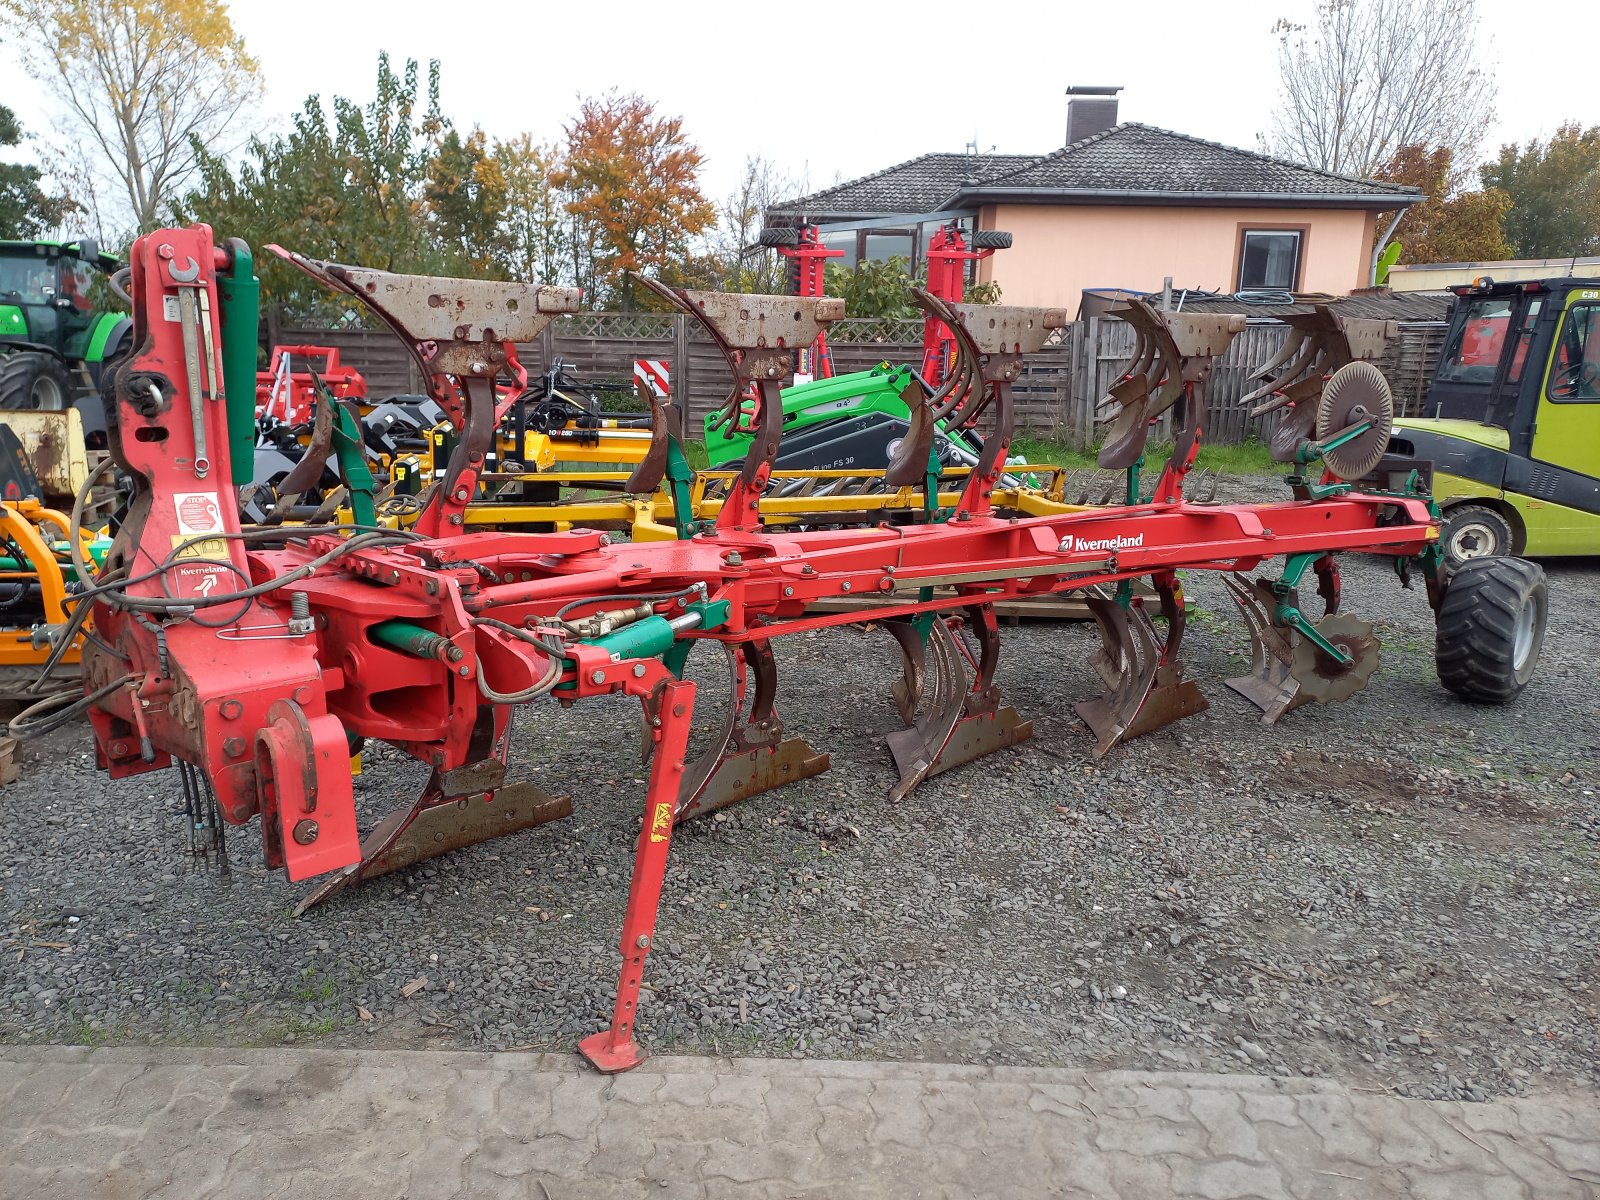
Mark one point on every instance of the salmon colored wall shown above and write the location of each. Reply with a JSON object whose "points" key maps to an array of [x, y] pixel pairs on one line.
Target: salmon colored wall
{"points": [[1061, 249]]}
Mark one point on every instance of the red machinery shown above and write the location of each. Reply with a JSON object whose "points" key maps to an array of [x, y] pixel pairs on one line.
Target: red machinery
{"points": [[948, 256], [809, 258], [427, 640], [288, 395]]}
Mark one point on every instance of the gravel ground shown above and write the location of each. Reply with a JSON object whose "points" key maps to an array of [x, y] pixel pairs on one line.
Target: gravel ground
{"points": [[1399, 891]]}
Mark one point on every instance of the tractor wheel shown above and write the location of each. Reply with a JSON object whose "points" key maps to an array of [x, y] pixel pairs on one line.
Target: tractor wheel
{"points": [[1474, 531], [40, 382], [1490, 627], [991, 239], [779, 235]]}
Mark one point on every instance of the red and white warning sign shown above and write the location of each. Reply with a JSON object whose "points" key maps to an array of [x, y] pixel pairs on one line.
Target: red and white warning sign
{"points": [[199, 514], [655, 374]]}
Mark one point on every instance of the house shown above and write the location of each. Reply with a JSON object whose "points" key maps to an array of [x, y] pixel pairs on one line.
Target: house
{"points": [[1121, 205]]}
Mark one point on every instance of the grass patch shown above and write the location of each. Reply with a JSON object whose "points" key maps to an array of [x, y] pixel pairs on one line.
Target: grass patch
{"points": [[1246, 458]]}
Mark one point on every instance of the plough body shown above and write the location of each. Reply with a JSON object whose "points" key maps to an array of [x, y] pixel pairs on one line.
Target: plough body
{"points": [[264, 657]]}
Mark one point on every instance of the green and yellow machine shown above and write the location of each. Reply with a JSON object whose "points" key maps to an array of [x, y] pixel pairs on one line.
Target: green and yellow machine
{"points": [[1512, 420], [54, 330]]}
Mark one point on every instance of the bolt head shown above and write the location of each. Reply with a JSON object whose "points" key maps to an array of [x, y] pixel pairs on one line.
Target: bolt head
{"points": [[642, 941], [788, 591], [845, 586], [597, 676], [305, 832], [638, 670]]}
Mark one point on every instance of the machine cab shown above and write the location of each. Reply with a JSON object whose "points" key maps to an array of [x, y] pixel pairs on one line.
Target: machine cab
{"points": [[45, 297], [1512, 418]]}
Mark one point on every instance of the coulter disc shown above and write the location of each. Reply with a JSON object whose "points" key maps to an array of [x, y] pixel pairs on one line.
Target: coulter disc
{"points": [[1321, 678], [1356, 392]]}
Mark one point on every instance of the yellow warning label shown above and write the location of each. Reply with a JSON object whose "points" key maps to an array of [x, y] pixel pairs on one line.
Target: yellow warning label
{"points": [[213, 548], [661, 822]]}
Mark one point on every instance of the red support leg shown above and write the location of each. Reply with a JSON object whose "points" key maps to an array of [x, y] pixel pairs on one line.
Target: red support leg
{"points": [[616, 1049]]}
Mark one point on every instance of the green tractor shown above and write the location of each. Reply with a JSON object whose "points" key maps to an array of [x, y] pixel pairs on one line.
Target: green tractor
{"points": [[847, 422], [1512, 421], [53, 335]]}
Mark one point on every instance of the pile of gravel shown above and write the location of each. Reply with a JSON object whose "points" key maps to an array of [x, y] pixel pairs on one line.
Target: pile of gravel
{"points": [[1399, 891]]}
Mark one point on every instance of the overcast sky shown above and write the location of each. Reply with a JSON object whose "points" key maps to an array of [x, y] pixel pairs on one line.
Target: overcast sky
{"points": [[837, 90]]}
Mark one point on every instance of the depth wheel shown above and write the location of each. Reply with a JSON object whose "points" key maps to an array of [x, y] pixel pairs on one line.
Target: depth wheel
{"points": [[1474, 531], [777, 235], [990, 239], [1490, 628]]}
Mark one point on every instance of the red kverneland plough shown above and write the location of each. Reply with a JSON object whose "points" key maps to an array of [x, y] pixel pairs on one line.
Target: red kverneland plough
{"points": [[259, 658]]}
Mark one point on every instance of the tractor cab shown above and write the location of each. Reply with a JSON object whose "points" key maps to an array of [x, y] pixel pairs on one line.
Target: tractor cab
{"points": [[48, 294], [1512, 420]]}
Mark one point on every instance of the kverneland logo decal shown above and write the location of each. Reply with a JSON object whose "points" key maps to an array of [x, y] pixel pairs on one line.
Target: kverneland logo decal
{"points": [[1118, 541]]}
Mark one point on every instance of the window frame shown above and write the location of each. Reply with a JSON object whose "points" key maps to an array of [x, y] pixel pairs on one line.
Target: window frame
{"points": [[1555, 351], [1245, 228]]}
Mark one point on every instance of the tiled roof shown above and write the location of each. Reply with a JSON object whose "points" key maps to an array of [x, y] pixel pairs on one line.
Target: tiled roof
{"points": [[919, 185], [1141, 158], [1128, 158]]}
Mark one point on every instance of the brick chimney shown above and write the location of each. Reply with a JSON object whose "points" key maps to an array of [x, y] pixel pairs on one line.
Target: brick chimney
{"points": [[1090, 110]]}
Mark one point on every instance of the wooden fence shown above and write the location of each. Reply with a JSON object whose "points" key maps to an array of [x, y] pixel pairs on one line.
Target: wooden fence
{"points": [[1056, 396]]}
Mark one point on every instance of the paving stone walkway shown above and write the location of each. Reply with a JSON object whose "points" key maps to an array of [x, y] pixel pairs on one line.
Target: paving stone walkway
{"points": [[147, 1123]]}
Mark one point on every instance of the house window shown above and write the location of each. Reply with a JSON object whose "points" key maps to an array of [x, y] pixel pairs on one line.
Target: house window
{"points": [[1269, 259]]}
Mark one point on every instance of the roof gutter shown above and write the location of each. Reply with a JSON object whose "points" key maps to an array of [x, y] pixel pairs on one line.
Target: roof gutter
{"points": [[1375, 201]]}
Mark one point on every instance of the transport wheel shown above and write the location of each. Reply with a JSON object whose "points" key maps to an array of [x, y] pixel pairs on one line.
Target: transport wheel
{"points": [[1474, 531], [1490, 627], [36, 382], [775, 235], [991, 239]]}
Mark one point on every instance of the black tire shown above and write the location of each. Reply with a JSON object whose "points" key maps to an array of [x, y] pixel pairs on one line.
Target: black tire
{"points": [[33, 381], [991, 239], [777, 235], [1472, 531], [1490, 628]]}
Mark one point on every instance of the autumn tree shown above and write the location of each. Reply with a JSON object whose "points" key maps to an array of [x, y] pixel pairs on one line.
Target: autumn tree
{"points": [[349, 186], [1554, 188], [1371, 76], [635, 199], [141, 84], [742, 263], [534, 221], [466, 196], [1451, 223], [26, 209]]}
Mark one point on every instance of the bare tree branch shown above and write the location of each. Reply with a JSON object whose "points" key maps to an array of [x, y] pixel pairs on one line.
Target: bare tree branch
{"points": [[141, 81], [1372, 76]]}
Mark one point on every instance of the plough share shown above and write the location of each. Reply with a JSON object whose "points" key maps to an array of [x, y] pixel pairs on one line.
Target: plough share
{"points": [[261, 657]]}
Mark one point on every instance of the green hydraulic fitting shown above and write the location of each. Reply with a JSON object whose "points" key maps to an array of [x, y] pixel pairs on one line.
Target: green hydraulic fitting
{"points": [[640, 639], [712, 613], [415, 641], [1287, 615], [680, 481], [239, 298], [655, 635]]}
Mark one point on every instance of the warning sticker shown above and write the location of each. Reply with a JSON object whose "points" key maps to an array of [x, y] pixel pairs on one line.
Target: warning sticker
{"points": [[169, 309], [199, 513]]}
